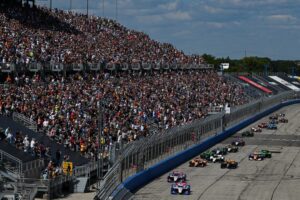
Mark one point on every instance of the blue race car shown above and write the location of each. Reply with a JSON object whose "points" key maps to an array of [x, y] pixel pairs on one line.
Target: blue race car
{"points": [[176, 176], [272, 126], [181, 188]]}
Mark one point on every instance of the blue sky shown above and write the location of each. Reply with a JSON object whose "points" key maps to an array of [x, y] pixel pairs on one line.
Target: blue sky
{"points": [[222, 28]]}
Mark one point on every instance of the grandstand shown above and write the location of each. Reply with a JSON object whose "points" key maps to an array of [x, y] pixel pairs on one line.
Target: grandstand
{"points": [[90, 93]]}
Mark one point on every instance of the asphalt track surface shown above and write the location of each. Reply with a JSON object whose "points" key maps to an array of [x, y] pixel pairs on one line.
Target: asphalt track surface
{"points": [[277, 178]]}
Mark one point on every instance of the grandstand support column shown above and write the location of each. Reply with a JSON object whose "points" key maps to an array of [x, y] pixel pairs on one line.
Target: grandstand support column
{"points": [[50, 4]]}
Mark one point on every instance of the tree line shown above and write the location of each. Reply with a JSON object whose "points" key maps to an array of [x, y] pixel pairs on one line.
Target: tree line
{"points": [[255, 64]]}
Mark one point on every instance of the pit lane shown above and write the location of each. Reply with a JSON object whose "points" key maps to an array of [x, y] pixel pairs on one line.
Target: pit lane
{"points": [[277, 178]]}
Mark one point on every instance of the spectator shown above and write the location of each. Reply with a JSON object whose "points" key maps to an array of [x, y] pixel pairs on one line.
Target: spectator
{"points": [[10, 137], [57, 156], [54, 37]]}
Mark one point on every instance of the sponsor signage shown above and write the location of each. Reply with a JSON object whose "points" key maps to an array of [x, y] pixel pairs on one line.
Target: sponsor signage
{"points": [[67, 168], [285, 83], [273, 83]]}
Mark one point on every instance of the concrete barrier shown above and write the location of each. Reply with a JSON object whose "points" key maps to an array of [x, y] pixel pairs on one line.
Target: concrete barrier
{"points": [[140, 179]]}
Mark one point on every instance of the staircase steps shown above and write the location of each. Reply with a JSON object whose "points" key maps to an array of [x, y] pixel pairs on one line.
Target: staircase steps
{"points": [[81, 184]]}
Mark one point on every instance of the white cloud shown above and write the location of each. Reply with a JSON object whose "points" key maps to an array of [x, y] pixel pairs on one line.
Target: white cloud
{"points": [[281, 18], [286, 27], [170, 16], [178, 15], [216, 24], [211, 9], [150, 19], [182, 33], [250, 2], [169, 6]]}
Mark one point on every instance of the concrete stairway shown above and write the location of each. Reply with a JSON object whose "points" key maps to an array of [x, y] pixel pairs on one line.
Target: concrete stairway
{"points": [[80, 185]]}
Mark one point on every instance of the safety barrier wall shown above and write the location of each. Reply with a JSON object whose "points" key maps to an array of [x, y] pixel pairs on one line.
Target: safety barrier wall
{"points": [[140, 179]]}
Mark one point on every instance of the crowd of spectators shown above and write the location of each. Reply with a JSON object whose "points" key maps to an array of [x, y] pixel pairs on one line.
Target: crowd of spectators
{"points": [[67, 109], [36, 149], [26, 144], [32, 34]]}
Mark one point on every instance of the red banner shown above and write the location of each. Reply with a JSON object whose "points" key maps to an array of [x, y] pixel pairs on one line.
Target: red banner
{"points": [[247, 80]]}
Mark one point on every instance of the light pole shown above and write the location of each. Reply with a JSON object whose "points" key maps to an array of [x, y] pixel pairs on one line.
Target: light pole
{"points": [[116, 10], [87, 8], [50, 4], [103, 8], [266, 69], [70, 5]]}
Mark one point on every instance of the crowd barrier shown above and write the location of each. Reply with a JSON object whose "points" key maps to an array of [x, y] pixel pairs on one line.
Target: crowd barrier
{"points": [[140, 179]]}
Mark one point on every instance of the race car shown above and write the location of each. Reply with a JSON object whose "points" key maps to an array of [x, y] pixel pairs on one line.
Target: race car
{"points": [[176, 176], [272, 126], [274, 116], [232, 149], [255, 129], [181, 187], [206, 155], [197, 162], [263, 125], [216, 158], [238, 142], [230, 164], [273, 121], [220, 151], [248, 134], [256, 156], [266, 153], [283, 120]]}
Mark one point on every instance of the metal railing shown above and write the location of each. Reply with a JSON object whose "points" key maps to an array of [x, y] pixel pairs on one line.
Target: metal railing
{"points": [[18, 170], [60, 67], [144, 153], [29, 123]]}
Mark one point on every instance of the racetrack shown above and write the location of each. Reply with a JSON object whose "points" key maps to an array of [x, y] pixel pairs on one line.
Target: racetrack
{"points": [[277, 178]]}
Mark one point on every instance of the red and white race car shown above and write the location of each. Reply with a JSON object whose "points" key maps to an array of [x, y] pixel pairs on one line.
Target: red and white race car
{"points": [[255, 129], [176, 176], [263, 125]]}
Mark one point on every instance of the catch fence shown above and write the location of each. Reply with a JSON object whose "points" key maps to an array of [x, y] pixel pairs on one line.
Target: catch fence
{"points": [[140, 155]]}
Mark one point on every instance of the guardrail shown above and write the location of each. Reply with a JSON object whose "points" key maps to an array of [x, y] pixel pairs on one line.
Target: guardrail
{"points": [[142, 155]]}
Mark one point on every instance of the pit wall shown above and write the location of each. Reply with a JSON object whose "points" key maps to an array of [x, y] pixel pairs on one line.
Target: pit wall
{"points": [[137, 181]]}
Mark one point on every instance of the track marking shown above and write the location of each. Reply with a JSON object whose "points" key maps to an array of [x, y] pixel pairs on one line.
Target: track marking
{"points": [[228, 170], [281, 178], [257, 173]]}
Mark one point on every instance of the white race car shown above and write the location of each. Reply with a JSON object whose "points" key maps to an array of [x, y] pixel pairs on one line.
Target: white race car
{"points": [[176, 176], [181, 188]]}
